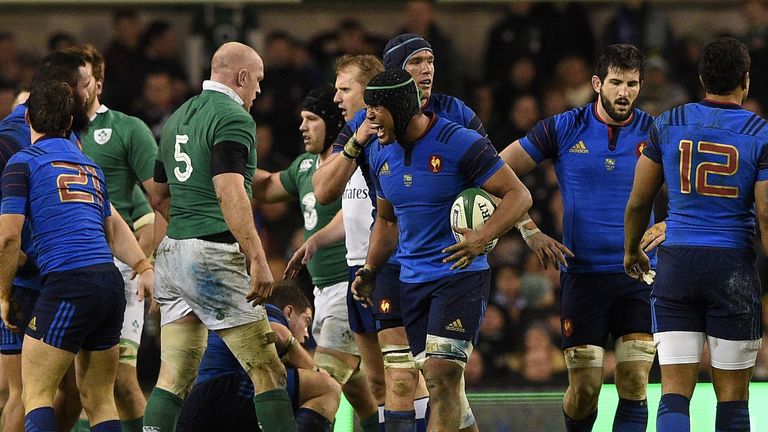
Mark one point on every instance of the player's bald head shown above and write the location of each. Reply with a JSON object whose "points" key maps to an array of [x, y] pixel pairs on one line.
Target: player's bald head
{"points": [[240, 68], [233, 56]]}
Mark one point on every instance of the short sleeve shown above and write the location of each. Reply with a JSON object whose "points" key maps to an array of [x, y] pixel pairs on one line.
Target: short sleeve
{"points": [[15, 188], [541, 142], [480, 161], [142, 150], [239, 128], [762, 164], [653, 150], [288, 177]]}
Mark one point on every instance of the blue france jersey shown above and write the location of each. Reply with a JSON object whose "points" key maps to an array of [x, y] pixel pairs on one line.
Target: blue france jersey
{"points": [[64, 196], [218, 360], [595, 166], [712, 155], [422, 184], [445, 106]]}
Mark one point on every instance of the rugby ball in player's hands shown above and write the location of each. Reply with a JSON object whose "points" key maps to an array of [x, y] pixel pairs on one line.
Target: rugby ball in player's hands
{"points": [[471, 209]]}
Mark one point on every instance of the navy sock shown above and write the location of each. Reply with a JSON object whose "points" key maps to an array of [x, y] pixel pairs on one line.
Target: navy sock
{"points": [[309, 420], [631, 416], [107, 426], [399, 421], [583, 425], [673, 415], [732, 416], [41, 419]]}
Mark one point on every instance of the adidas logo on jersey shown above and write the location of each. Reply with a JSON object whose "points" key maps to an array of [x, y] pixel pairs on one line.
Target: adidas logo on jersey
{"points": [[33, 323], [384, 169], [455, 326], [579, 147]]}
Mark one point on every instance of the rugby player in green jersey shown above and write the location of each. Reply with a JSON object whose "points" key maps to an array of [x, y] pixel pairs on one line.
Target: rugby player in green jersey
{"points": [[204, 171], [336, 350]]}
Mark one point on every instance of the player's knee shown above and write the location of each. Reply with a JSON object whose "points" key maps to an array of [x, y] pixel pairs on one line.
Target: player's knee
{"points": [[93, 399], [402, 382], [253, 346], [378, 386], [330, 388], [181, 349], [446, 357], [127, 391], [584, 356], [586, 392], [442, 375], [336, 368]]}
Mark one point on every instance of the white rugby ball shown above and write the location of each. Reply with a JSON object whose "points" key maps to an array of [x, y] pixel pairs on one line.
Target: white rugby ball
{"points": [[471, 209]]}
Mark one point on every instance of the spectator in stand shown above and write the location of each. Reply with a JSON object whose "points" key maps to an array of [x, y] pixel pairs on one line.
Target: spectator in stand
{"points": [[569, 31], [523, 78], [660, 91], [61, 40], [756, 38], [639, 23], [7, 97], [522, 117], [519, 34], [420, 20], [572, 73], [282, 91], [158, 46], [157, 102], [9, 57], [122, 82]]}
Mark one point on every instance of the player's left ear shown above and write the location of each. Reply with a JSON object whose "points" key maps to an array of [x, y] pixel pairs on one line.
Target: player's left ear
{"points": [[288, 310], [242, 76], [597, 83]]}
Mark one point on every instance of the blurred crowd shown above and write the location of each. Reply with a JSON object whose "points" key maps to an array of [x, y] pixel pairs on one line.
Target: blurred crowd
{"points": [[537, 63]]}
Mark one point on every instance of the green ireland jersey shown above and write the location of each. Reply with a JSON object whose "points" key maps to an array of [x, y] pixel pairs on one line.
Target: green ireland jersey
{"points": [[328, 266], [125, 149], [186, 145]]}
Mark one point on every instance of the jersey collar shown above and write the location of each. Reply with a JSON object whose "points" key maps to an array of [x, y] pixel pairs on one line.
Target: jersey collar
{"points": [[221, 88], [723, 105], [100, 110]]}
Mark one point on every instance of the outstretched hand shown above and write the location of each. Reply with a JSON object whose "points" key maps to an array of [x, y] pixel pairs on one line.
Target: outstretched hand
{"points": [[548, 249], [300, 258]]}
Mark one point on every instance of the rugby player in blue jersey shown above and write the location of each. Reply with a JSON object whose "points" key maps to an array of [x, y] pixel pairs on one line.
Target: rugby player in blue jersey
{"points": [[14, 136], [405, 390], [77, 316], [713, 156], [419, 162], [594, 149]]}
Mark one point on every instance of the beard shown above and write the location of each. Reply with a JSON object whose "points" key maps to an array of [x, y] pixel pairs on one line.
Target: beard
{"points": [[80, 120], [610, 108]]}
